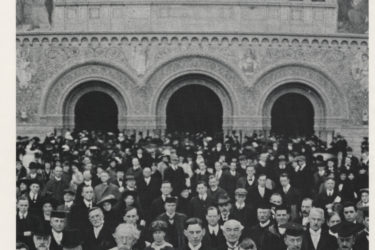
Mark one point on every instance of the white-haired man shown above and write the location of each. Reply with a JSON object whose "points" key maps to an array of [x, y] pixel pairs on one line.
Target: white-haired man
{"points": [[125, 235], [232, 230], [315, 237]]}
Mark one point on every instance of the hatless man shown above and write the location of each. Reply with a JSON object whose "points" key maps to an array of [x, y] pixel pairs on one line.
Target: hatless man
{"points": [[56, 186], [194, 233], [316, 237], [262, 233], [199, 204], [282, 216], [175, 175], [26, 223], [98, 235], [158, 203], [306, 206], [78, 216], [260, 194], [249, 181], [175, 222], [126, 236], [232, 230], [290, 195], [35, 198], [326, 199], [350, 212], [214, 190], [214, 235]]}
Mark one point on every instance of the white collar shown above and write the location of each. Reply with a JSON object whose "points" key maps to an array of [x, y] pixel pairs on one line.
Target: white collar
{"points": [[240, 206], [312, 232], [87, 202], [58, 179], [165, 244], [286, 189], [22, 215], [194, 248], [69, 203], [213, 228], [264, 224], [87, 182], [97, 230], [204, 197]]}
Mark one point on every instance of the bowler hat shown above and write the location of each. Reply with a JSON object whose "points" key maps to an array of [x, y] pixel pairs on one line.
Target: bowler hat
{"points": [[58, 214], [223, 200], [71, 238], [293, 229], [171, 200], [41, 231], [69, 191]]}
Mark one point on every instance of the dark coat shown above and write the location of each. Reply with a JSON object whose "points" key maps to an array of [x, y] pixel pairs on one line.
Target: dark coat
{"points": [[177, 179], [56, 189], [54, 245], [326, 241], [78, 216], [35, 207], [148, 193], [323, 199], [198, 208], [25, 226], [157, 207], [178, 226], [264, 238], [103, 242], [215, 194], [230, 183], [213, 241], [361, 242], [254, 198], [246, 215]]}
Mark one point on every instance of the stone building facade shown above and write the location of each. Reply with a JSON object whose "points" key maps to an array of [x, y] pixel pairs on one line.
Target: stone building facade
{"points": [[248, 52]]}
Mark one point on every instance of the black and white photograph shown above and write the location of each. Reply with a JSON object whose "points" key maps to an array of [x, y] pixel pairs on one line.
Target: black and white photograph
{"points": [[191, 125]]}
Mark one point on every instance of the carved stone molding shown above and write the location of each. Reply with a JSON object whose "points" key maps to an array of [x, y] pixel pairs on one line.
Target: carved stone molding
{"points": [[61, 88]]}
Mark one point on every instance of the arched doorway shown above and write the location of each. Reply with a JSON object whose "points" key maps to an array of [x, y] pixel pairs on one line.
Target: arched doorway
{"points": [[292, 114], [194, 108], [96, 111]]}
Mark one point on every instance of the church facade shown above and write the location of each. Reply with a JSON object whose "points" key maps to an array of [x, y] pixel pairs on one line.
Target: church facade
{"points": [[248, 53]]}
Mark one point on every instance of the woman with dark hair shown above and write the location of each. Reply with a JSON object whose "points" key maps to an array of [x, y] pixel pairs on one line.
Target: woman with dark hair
{"points": [[128, 199], [158, 230], [107, 203], [344, 187], [22, 187]]}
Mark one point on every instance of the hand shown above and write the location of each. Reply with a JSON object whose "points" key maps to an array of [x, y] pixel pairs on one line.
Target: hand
{"points": [[27, 233]]}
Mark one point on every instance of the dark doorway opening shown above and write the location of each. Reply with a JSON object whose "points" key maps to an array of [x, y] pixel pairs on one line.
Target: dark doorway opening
{"points": [[195, 108], [96, 111], [292, 115]]}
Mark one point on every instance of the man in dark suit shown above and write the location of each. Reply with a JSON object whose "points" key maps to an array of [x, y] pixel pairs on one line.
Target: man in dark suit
{"points": [[262, 233], [194, 232], [249, 181], [289, 194], [175, 175], [68, 200], [315, 238], [303, 177], [230, 179], [225, 208], [35, 199], [214, 235], [158, 204], [293, 236], [242, 211], [26, 223], [326, 199], [260, 194], [362, 240], [175, 222], [56, 186], [214, 191], [148, 189], [219, 174], [78, 216], [201, 174], [87, 181], [57, 229], [99, 235], [199, 204]]}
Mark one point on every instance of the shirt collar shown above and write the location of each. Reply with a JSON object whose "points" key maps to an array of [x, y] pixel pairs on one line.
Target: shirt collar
{"points": [[213, 228], [195, 248], [204, 196], [264, 224], [22, 215], [312, 232]]}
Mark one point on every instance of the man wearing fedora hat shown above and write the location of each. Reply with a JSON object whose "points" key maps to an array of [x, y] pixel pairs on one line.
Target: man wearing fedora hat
{"points": [[72, 240], [225, 208]]}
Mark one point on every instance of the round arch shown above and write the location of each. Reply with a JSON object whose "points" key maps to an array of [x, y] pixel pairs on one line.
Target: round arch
{"points": [[62, 93], [194, 79], [295, 88], [330, 105], [85, 88]]}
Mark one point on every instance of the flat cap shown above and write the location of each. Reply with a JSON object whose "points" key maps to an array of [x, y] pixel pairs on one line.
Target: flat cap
{"points": [[240, 191]]}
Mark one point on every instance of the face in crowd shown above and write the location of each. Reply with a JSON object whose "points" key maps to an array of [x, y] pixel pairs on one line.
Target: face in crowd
{"points": [[232, 230], [350, 213], [131, 217], [23, 206], [57, 224], [212, 216], [42, 242], [194, 233], [126, 235], [88, 193], [306, 207], [166, 189], [293, 242], [96, 217], [263, 214], [316, 218]]}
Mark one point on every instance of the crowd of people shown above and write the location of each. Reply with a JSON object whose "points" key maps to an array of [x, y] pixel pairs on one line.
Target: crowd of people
{"points": [[184, 191]]}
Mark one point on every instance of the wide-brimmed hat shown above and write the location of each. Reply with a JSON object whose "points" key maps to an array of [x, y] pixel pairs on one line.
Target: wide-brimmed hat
{"points": [[109, 198]]}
